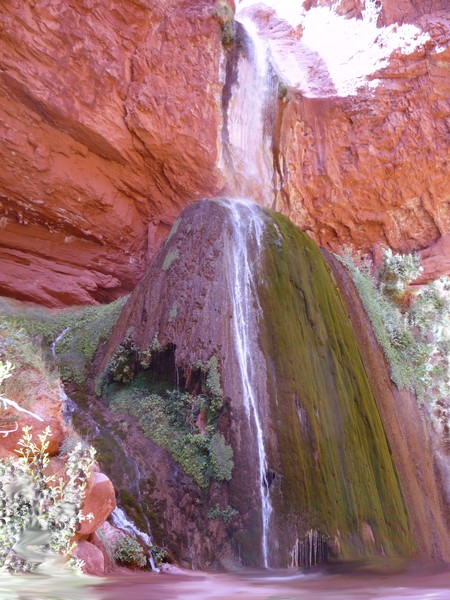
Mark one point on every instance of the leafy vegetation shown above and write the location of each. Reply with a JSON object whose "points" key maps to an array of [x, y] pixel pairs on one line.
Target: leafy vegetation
{"points": [[38, 515], [122, 366], [80, 330], [159, 554], [225, 514], [224, 14], [221, 458], [183, 423], [414, 335], [396, 272], [129, 552]]}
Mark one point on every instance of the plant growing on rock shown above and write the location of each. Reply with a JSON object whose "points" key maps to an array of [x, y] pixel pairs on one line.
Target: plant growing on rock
{"points": [[159, 554], [122, 366], [38, 515], [224, 14], [221, 458], [415, 338], [184, 423], [396, 272], [129, 552], [225, 514], [85, 328]]}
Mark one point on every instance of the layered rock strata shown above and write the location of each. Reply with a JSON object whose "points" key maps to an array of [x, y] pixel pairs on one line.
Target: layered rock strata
{"points": [[109, 117], [111, 121]]}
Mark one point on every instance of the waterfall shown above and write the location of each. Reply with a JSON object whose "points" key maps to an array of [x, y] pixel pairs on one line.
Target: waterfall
{"points": [[68, 405], [248, 228], [249, 158], [248, 144]]}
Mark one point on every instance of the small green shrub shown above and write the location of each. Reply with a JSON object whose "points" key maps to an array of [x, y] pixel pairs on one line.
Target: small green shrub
{"points": [[225, 514], [224, 14], [212, 386], [415, 338], [123, 365], [396, 272], [221, 458], [170, 419], [159, 554], [129, 552]]}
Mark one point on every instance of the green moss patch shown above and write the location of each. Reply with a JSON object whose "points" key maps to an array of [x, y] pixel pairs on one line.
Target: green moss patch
{"points": [[85, 329], [331, 448], [183, 423]]}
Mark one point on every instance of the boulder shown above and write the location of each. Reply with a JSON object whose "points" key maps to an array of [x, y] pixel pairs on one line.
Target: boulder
{"points": [[94, 563], [100, 500], [105, 538]]}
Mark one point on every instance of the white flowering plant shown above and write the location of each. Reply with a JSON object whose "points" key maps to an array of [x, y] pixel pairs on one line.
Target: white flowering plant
{"points": [[38, 515]]}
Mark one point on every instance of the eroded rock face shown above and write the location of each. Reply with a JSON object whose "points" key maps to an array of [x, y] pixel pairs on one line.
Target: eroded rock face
{"points": [[369, 169], [109, 118], [111, 123], [362, 146], [38, 395]]}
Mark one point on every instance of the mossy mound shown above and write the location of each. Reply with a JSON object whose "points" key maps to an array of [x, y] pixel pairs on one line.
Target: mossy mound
{"points": [[333, 467], [80, 330]]}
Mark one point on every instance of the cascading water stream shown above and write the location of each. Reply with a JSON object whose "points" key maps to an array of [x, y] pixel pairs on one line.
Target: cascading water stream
{"points": [[119, 517], [68, 405], [248, 148], [121, 521], [249, 158], [248, 228]]}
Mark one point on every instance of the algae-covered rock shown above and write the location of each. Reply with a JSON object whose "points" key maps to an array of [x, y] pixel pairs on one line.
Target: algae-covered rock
{"points": [[329, 447], [310, 452]]}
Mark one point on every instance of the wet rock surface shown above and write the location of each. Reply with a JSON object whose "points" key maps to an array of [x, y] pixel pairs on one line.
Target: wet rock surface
{"points": [[414, 445], [309, 381]]}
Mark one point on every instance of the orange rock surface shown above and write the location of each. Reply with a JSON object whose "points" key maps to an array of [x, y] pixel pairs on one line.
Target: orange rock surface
{"points": [[32, 392], [374, 168], [111, 122], [109, 113], [100, 500], [94, 562]]}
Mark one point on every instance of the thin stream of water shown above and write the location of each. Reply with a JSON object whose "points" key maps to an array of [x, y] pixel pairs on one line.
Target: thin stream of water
{"points": [[248, 226], [249, 146], [119, 517]]}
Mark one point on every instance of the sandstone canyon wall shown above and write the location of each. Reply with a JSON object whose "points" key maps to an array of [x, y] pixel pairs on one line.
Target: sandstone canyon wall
{"points": [[109, 114], [111, 121]]}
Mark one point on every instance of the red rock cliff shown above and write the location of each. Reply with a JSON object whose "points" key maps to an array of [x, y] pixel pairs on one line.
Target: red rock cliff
{"points": [[111, 119], [109, 113]]}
